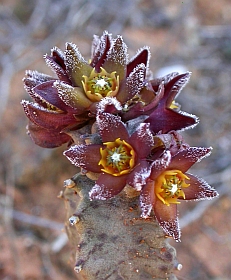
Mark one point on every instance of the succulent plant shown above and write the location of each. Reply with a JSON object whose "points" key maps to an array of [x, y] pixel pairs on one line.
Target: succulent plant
{"points": [[123, 130]]}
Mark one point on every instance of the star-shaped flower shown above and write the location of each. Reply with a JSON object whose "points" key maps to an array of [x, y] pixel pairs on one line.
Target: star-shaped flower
{"points": [[169, 182], [63, 103], [164, 113], [48, 114], [119, 160]]}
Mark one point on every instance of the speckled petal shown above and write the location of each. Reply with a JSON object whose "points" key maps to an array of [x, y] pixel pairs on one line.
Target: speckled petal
{"points": [[147, 199], [164, 120], [34, 78], [187, 157], [76, 65], [45, 118], [85, 156], [100, 48], [142, 56], [160, 164], [142, 140], [47, 138], [134, 84], [174, 87], [199, 189], [56, 62], [117, 58], [138, 176], [73, 97], [47, 92], [107, 186], [167, 218], [111, 127]]}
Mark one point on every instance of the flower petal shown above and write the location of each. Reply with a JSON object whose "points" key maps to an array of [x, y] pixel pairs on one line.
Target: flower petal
{"points": [[187, 157], [156, 97], [138, 176], [47, 119], [174, 87], [164, 120], [160, 164], [76, 65], [147, 199], [111, 127], [85, 156], [167, 218], [34, 78], [107, 186], [47, 138], [56, 62], [142, 140], [134, 84], [142, 56], [73, 97], [117, 58], [48, 93], [100, 48], [199, 189], [109, 105]]}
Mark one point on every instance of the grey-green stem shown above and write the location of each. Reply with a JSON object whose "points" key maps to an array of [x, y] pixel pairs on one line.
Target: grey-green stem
{"points": [[110, 239]]}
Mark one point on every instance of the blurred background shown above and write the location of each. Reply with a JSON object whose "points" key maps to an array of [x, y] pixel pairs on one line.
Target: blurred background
{"points": [[192, 35]]}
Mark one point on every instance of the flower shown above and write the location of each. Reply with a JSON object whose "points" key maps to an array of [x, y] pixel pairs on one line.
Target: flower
{"points": [[119, 160], [157, 101], [169, 183], [48, 115], [63, 103], [164, 113]]}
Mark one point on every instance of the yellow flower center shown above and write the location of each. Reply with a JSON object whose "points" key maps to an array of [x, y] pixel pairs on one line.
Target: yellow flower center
{"points": [[118, 158], [100, 85], [169, 186], [174, 106]]}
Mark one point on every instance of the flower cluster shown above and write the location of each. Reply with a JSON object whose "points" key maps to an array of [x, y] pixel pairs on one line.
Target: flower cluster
{"points": [[134, 122]]}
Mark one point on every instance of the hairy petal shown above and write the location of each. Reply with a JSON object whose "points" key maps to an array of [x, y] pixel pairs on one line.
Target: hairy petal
{"points": [[47, 92], [34, 78], [45, 118], [117, 58], [139, 175], [147, 199], [74, 97], [164, 120], [187, 157], [142, 140], [46, 138], [85, 156], [111, 127], [199, 189], [167, 218], [56, 62], [134, 84], [156, 97], [109, 105], [76, 65], [107, 186], [142, 57], [100, 48], [160, 164], [174, 87]]}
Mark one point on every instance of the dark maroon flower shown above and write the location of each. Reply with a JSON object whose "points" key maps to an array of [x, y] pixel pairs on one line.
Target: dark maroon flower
{"points": [[156, 100], [169, 183], [165, 114], [48, 114], [63, 103], [119, 160]]}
